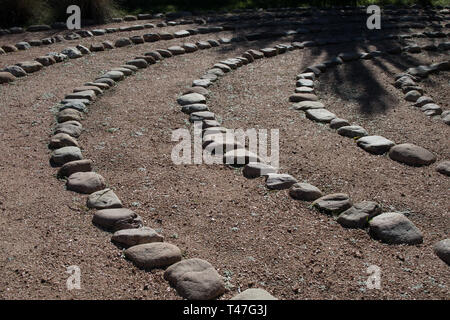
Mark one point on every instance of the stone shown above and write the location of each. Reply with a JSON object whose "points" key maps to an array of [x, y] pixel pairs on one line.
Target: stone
{"points": [[126, 71], [201, 115], [408, 88], [359, 214], [153, 255], [72, 53], [6, 77], [394, 228], [305, 192], [269, 52], [442, 250], [99, 32], [85, 182], [108, 44], [320, 115], [423, 100], [113, 75], [420, 71], [352, 131], [199, 90], [411, 155], [122, 42], [151, 37], [337, 123], [176, 50], [83, 49], [23, 45], [88, 94], [132, 237], [61, 140], [140, 63], [116, 219], [305, 83], [65, 154], [444, 167], [74, 105], [46, 60], [71, 167], [404, 81], [130, 18], [137, 39], [431, 109], [196, 107], [307, 75], [375, 144], [30, 66], [203, 45], [38, 27], [239, 157], [201, 83], [189, 47], [103, 199], [166, 35], [334, 204], [9, 48], [155, 55], [191, 98], [256, 169], [304, 90], [195, 279], [279, 181], [96, 47], [349, 56], [254, 294], [59, 57], [298, 97], [181, 34], [225, 68], [84, 88], [256, 54], [68, 115], [412, 95], [445, 116]]}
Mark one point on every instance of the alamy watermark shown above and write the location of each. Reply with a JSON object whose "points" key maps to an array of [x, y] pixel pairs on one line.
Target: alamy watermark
{"points": [[374, 20], [374, 279], [74, 281], [74, 20]]}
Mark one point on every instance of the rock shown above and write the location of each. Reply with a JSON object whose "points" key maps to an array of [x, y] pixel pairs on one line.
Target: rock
{"points": [[46, 60], [394, 228], [305, 83], [298, 97], [72, 53], [445, 116], [431, 109], [279, 181], [30, 66], [333, 203], [9, 48], [307, 75], [203, 45], [320, 115], [140, 63], [254, 294], [196, 107], [65, 154], [85, 182], [6, 77], [375, 144], [337, 123], [108, 45], [113, 75], [181, 34], [195, 279], [75, 166], [423, 101], [74, 105], [269, 52], [95, 47], [304, 192], [132, 237], [153, 255], [352, 131], [122, 42], [103, 199], [404, 81], [189, 47], [137, 39], [155, 55], [83, 49], [130, 18], [88, 94], [349, 56], [176, 50], [61, 140], [444, 167], [225, 68], [442, 250], [59, 57], [412, 96], [255, 169], [117, 219], [191, 98], [23, 45], [201, 83], [304, 90], [201, 115], [68, 115], [411, 155], [359, 214], [239, 157], [38, 27], [84, 88]]}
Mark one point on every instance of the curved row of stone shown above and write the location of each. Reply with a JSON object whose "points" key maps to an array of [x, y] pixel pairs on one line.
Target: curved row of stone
{"points": [[21, 69], [306, 100], [192, 278], [389, 227]]}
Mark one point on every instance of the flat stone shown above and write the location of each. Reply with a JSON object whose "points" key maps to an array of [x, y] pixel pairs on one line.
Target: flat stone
{"points": [[404, 81], [394, 228], [196, 107], [203, 45], [23, 45], [304, 90], [68, 115], [137, 39], [431, 109], [225, 68], [103, 199], [84, 88], [411, 155], [305, 192], [279, 181], [140, 63], [305, 83], [320, 115], [269, 52], [445, 116], [359, 214], [444, 167], [423, 100], [350, 56], [74, 105], [151, 37], [117, 219], [30, 66], [413, 96], [442, 250], [85, 182], [126, 71], [176, 50], [83, 49], [9, 48], [46, 60], [199, 90], [122, 42], [65, 154], [132, 237], [352, 131], [307, 75], [333, 203], [256, 54], [181, 34], [72, 53], [375, 144], [189, 47], [88, 94], [113, 75], [191, 98], [239, 157], [108, 45], [256, 169], [205, 83], [201, 115], [71, 167], [6, 77], [254, 294], [61, 140], [59, 57], [337, 123], [153, 255], [298, 97], [195, 279]]}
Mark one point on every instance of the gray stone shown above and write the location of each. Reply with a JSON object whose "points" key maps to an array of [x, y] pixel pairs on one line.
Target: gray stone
{"points": [[255, 169], [411, 155], [298, 97], [176, 50], [72, 53], [337, 123], [15, 71], [305, 192], [132, 237], [113, 75], [269, 52], [61, 140], [304, 90], [279, 181], [140, 63], [205, 83], [23, 45], [85, 182], [444, 167], [352, 131], [423, 101], [83, 49], [201, 115], [30, 66], [359, 214], [66, 154], [191, 98], [103, 199], [320, 115], [412, 96], [88, 94], [442, 250], [117, 219], [153, 255], [375, 144], [122, 42], [307, 75], [305, 83], [333, 203], [68, 115], [254, 294], [196, 107], [239, 157], [394, 228], [46, 60], [71, 167], [445, 116], [74, 105], [431, 109], [6, 77], [195, 279]]}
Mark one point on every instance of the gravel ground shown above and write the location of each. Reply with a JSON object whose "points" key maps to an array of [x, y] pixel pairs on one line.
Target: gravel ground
{"points": [[255, 238]]}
